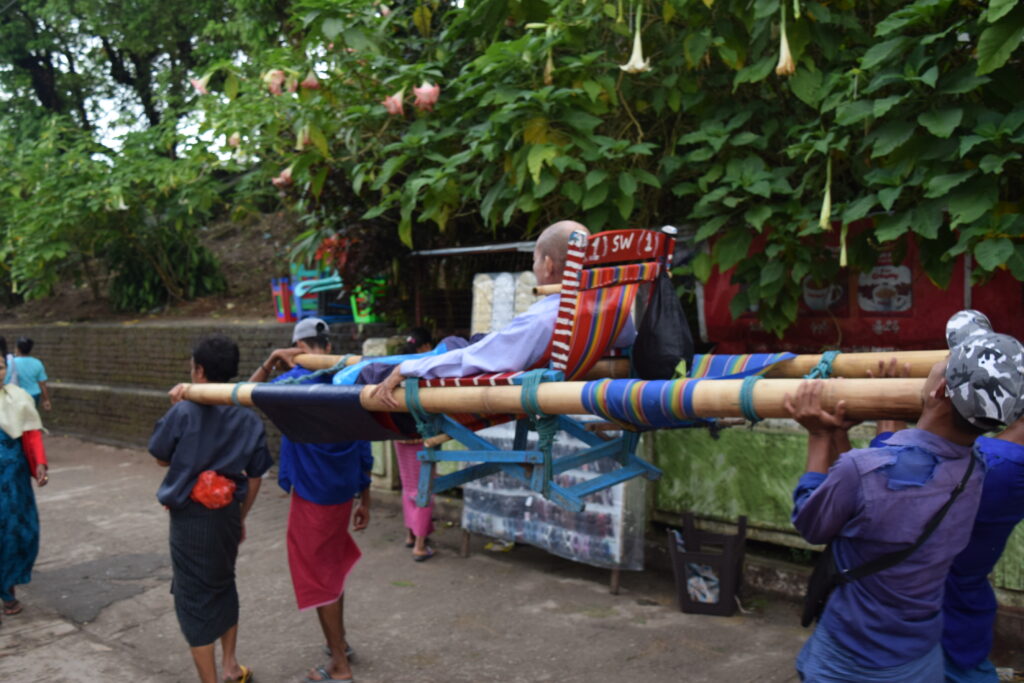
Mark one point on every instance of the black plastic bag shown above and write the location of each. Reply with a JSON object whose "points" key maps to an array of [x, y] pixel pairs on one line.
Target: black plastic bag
{"points": [[663, 338]]}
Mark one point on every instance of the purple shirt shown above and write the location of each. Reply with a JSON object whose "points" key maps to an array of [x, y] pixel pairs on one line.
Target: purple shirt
{"points": [[518, 346], [875, 501]]}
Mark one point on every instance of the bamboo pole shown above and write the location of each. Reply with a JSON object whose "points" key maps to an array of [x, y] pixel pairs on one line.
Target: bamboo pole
{"points": [[887, 398], [845, 364]]}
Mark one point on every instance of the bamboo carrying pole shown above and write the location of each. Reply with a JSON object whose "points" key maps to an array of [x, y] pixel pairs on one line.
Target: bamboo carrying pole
{"points": [[887, 398], [845, 364]]}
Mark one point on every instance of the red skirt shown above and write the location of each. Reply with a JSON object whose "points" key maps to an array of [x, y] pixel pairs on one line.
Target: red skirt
{"points": [[321, 551]]}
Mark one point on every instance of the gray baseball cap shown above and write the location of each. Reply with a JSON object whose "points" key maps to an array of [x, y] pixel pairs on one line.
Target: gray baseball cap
{"points": [[309, 327], [985, 373]]}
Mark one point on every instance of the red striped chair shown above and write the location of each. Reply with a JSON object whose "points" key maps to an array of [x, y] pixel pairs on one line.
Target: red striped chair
{"points": [[602, 277]]}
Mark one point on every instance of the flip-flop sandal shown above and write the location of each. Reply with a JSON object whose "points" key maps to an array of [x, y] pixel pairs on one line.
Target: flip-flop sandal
{"points": [[423, 558], [246, 677], [349, 652], [13, 607], [326, 677]]}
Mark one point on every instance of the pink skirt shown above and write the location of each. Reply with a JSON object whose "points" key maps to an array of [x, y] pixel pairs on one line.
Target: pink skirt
{"points": [[418, 520], [321, 551]]}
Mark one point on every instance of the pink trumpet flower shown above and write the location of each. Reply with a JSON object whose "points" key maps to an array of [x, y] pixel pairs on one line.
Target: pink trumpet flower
{"points": [[235, 139], [274, 79], [426, 96], [200, 84], [283, 179], [310, 82], [385, 11], [393, 103]]}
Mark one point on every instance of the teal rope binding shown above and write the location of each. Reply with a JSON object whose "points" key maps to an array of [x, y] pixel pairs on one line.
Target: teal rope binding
{"points": [[426, 423], [342, 363], [545, 425], [234, 393], [823, 370], [747, 398]]}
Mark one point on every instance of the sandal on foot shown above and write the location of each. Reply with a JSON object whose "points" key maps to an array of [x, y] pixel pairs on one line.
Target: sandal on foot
{"points": [[349, 652], [423, 558], [325, 677], [246, 677], [13, 607]]}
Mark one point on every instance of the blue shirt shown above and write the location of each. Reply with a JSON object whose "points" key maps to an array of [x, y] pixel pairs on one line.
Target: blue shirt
{"points": [[875, 501], [229, 440], [30, 373], [969, 608], [323, 473]]}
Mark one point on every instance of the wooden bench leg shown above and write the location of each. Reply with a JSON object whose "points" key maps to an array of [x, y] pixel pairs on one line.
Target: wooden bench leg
{"points": [[464, 547], [613, 587]]}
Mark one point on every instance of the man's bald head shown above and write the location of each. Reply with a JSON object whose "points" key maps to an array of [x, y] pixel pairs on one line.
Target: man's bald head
{"points": [[550, 250]]}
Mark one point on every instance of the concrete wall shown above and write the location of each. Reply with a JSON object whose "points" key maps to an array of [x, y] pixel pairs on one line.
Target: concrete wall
{"points": [[109, 381]]}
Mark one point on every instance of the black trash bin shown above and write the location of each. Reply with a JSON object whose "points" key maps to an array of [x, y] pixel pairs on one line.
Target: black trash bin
{"points": [[706, 556]]}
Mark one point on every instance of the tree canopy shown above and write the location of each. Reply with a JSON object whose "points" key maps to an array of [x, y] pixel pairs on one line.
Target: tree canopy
{"points": [[422, 122]]}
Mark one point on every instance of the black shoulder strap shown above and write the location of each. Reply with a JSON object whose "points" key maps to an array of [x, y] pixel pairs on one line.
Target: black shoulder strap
{"points": [[892, 559]]}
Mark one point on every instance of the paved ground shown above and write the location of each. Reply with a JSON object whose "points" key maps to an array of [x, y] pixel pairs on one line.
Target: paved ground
{"points": [[98, 608]]}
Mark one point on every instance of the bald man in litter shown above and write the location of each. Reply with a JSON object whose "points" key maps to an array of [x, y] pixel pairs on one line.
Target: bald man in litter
{"points": [[521, 345]]}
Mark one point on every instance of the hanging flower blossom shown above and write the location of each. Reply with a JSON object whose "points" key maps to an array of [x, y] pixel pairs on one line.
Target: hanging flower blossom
{"points": [[310, 82], [426, 96], [235, 139], [549, 70], [303, 139], [200, 84], [393, 103], [636, 63], [385, 11], [786, 66], [274, 79], [292, 84], [283, 179], [825, 217]]}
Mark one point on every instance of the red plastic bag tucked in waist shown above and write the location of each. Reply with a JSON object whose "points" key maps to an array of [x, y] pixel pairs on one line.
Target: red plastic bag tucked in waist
{"points": [[213, 490]]}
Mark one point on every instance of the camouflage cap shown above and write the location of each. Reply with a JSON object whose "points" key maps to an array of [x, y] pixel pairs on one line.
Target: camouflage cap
{"points": [[985, 374], [964, 324]]}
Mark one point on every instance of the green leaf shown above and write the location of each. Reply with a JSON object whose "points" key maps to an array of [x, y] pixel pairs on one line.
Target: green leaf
{"points": [[595, 196], [993, 163], [881, 52], [772, 272], [316, 186], [319, 140], [859, 208], [388, 169], [572, 191], [536, 157], [993, 253], [997, 9], [732, 248], [881, 107], [757, 215], [701, 265], [627, 183], [647, 177], [962, 80], [926, 219], [593, 90], [547, 183], [852, 112], [973, 200], [942, 122], [889, 228], [231, 86], [332, 27], [890, 136], [931, 76], [625, 205], [806, 85], [581, 121], [888, 196], [967, 143], [998, 41], [595, 177], [940, 185], [755, 72]]}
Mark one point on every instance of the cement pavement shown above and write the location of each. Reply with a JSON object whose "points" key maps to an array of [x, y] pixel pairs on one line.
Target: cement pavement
{"points": [[98, 608]]}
